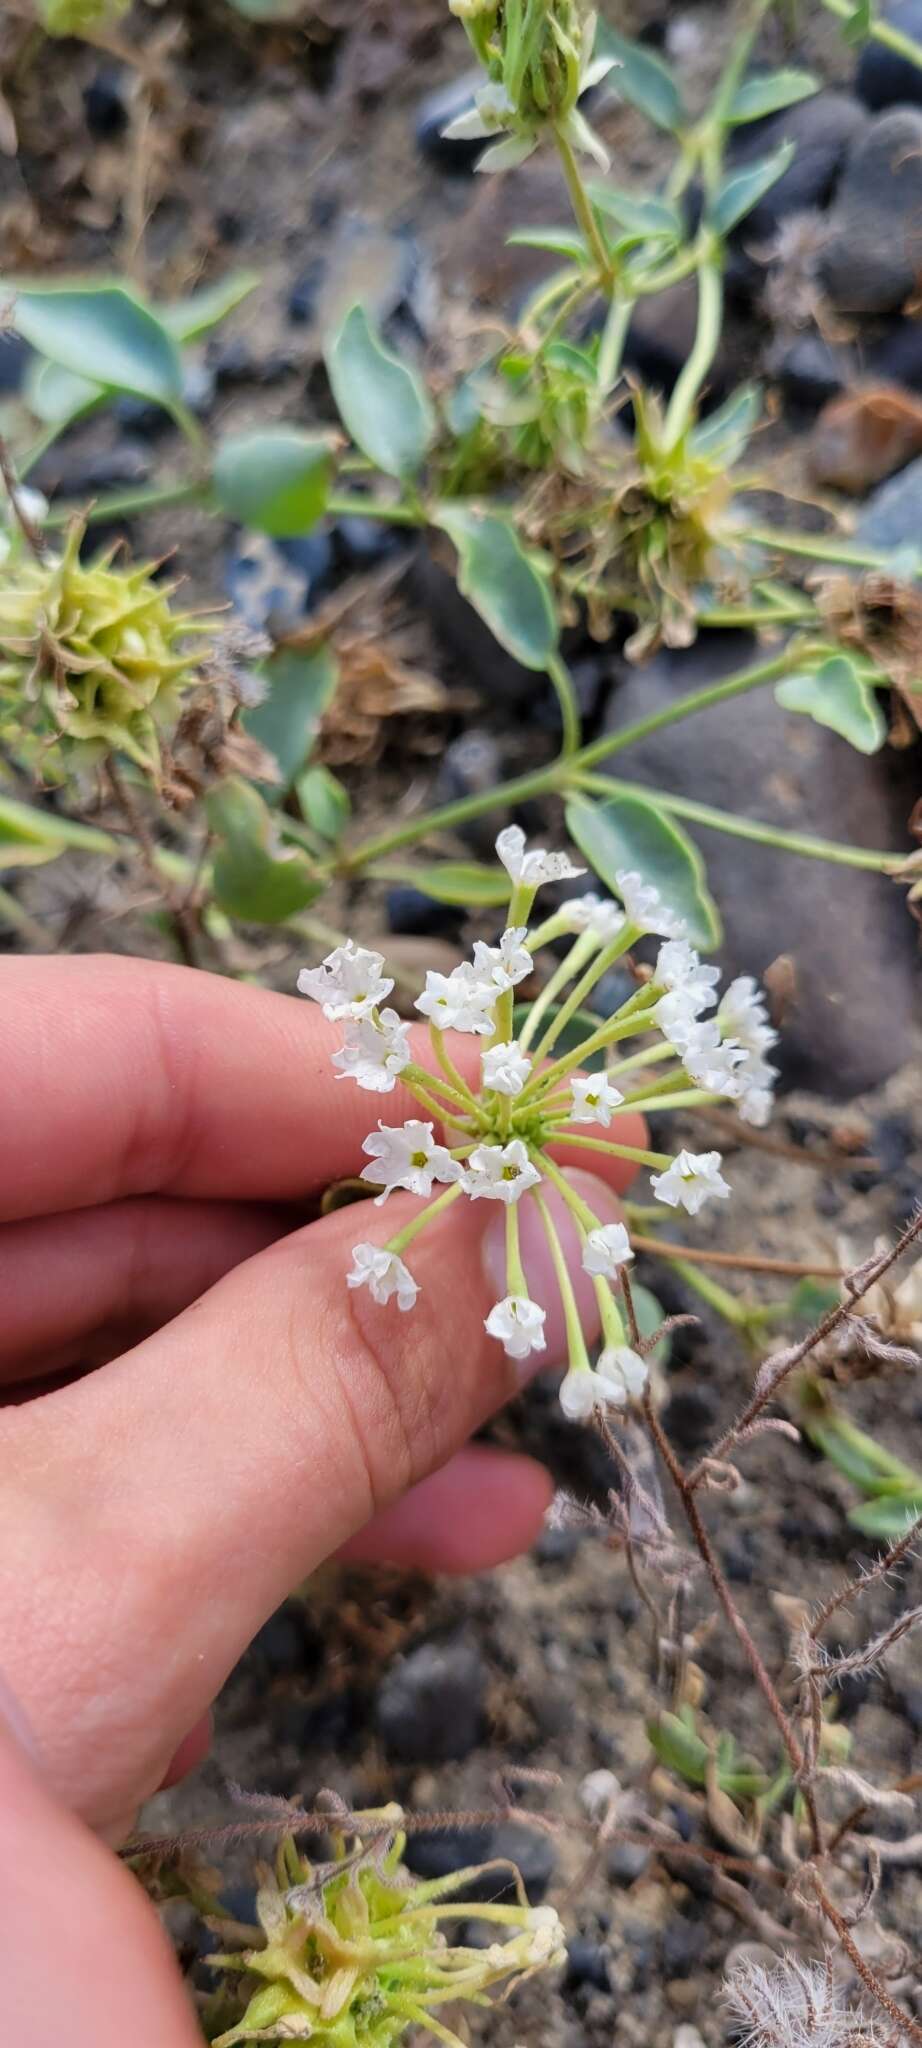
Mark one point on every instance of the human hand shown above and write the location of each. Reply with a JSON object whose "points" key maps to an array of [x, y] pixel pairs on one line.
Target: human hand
{"points": [[248, 1415]]}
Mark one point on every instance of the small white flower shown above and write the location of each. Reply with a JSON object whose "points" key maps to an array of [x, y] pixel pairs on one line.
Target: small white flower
{"points": [[598, 1792], [492, 109], [645, 906], [742, 1014], [376, 1050], [755, 1090], [581, 1390], [384, 1274], [599, 915], [500, 1172], [518, 1324], [624, 1371], [712, 1062], [755, 1106], [460, 1001], [506, 964], [535, 867], [606, 1250], [593, 1099], [505, 1068], [349, 983], [681, 969], [406, 1156], [690, 1180]]}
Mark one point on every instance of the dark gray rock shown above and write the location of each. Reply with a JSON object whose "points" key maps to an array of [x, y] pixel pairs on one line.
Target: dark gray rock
{"points": [[848, 932], [430, 1706], [433, 117], [411, 913], [883, 78], [530, 1851], [273, 583], [872, 259], [823, 129], [891, 517], [681, 1946], [896, 356], [690, 1418], [72, 474], [471, 764], [107, 102], [587, 1963], [809, 370], [627, 1861]]}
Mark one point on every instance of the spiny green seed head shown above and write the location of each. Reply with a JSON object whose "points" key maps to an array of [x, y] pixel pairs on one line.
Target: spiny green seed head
{"points": [[93, 660], [352, 1951], [75, 17]]}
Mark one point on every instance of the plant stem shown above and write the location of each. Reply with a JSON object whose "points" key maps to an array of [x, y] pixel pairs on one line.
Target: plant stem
{"points": [[816, 547], [343, 507], [710, 310], [660, 1160], [749, 828], [576, 1342], [880, 32], [611, 346], [182, 917], [124, 504], [741, 1262], [561, 773], [428, 1215], [583, 209], [569, 709]]}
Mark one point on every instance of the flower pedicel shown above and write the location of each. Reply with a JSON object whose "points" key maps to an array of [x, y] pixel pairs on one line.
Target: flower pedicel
{"points": [[493, 1141]]}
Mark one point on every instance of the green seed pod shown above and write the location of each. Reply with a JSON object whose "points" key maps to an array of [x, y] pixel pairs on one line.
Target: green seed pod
{"points": [[92, 658], [75, 17]]}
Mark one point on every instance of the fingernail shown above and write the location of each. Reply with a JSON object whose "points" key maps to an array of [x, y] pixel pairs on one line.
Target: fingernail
{"points": [[539, 1266], [13, 1719]]}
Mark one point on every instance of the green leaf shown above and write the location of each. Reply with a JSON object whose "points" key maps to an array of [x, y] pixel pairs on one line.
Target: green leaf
{"points": [[630, 832], [856, 1455], [503, 582], [726, 432], [650, 1316], [835, 695], [301, 684], [742, 190], [888, 1519], [186, 319], [642, 78], [768, 92], [562, 241], [277, 481], [653, 219], [810, 1300], [58, 396], [253, 878], [467, 883], [29, 836], [683, 1751], [858, 26], [104, 331], [324, 802], [381, 403]]}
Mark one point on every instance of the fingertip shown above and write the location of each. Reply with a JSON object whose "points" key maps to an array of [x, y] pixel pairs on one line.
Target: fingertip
{"points": [[484, 1507]]}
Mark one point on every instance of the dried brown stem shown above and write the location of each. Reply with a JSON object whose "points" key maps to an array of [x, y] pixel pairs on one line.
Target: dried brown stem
{"points": [[871, 1982], [823, 1161], [181, 913], [853, 1588], [789, 1360], [745, 1262], [731, 1612], [35, 541]]}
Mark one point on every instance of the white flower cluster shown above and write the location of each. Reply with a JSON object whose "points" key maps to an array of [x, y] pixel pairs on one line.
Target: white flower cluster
{"points": [[491, 1128]]}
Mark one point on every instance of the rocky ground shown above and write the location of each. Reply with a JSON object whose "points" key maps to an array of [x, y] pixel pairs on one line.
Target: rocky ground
{"points": [[315, 157]]}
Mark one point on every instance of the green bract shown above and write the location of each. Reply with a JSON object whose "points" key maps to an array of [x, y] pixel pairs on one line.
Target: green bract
{"points": [[92, 657], [352, 1952]]}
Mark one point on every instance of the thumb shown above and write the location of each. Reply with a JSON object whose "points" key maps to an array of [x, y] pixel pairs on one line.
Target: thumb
{"points": [[113, 1974], [192, 1484]]}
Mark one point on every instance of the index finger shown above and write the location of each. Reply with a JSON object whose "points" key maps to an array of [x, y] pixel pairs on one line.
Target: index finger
{"points": [[127, 1077]]}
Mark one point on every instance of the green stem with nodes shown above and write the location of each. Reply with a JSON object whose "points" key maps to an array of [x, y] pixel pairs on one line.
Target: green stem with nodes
{"points": [[426, 1216], [681, 1098], [342, 506], [611, 346], [416, 1078], [710, 312], [628, 1020], [749, 828], [576, 1342], [640, 1059], [586, 983], [563, 774], [709, 1290], [584, 210], [456, 1081], [586, 1220], [125, 504]]}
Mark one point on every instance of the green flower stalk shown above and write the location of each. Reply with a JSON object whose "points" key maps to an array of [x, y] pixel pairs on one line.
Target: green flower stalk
{"points": [[539, 56], [498, 1137], [93, 659], [353, 1953], [79, 17]]}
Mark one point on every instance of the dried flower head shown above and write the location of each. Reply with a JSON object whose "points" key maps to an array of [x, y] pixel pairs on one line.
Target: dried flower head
{"points": [[795, 2005], [93, 659], [352, 1950], [502, 1117]]}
